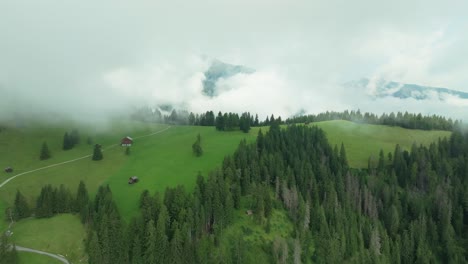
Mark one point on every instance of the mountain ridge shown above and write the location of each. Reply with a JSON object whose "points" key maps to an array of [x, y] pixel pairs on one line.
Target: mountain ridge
{"points": [[382, 88]]}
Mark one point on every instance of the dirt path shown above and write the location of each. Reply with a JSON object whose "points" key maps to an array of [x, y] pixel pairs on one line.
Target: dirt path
{"points": [[58, 257], [73, 160]]}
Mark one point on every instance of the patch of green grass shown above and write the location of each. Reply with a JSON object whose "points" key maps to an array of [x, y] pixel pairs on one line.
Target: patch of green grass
{"points": [[362, 140], [93, 173], [33, 258], [167, 160], [20, 147], [255, 238], [61, 234]]}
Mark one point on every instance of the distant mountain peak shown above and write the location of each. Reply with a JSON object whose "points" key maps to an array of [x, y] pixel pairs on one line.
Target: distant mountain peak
{"points": [[221, 70], [382, 88]]}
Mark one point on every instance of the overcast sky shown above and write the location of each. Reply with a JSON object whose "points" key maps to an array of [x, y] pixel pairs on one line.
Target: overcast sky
{"points": [[84, 57]]}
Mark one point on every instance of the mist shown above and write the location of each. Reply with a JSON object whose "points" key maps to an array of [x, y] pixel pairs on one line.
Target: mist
{"points": [[90, 60]]}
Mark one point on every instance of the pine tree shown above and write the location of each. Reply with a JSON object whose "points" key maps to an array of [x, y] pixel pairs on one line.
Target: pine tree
{"points": [[137, 257], [82, 197], [161, 237], [220, 122], [74, 137], [45, 153], [127, 151], [97, 154], [196, 147], [21, 207], [176, 248], [67, 142], [94, 249], [151, 252]]}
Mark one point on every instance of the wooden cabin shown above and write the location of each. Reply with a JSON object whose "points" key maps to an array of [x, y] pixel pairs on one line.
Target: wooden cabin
{"points": [[126, 141]]}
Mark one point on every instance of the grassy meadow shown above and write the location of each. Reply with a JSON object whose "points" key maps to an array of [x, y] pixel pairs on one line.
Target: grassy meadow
{"points": [[33, 258], [61, 234], [362, 140], [166, 160]]}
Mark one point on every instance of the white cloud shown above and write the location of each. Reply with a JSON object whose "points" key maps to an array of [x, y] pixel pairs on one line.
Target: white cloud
{"points": [[83, 57]]}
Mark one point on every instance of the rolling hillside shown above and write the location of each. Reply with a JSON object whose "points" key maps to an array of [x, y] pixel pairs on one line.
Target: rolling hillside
{"points": [[161, 160], [362, 140]]}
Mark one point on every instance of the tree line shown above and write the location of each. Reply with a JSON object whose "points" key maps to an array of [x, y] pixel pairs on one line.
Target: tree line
{"points": [[51, 201], [222, 121], [232, 121], [405, 120]]}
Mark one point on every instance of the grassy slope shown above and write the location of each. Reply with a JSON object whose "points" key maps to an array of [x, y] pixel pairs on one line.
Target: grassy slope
{"points": [[32, 258], [61, 234], [159, 161], [164, 160], [362, 140], [167, 161], [20, 148]]}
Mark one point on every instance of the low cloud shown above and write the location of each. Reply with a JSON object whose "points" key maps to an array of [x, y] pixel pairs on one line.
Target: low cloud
{"points": [[90, 61]]}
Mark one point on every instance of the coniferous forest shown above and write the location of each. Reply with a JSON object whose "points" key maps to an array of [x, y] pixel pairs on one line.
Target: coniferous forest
{"points": [[409, 207]]}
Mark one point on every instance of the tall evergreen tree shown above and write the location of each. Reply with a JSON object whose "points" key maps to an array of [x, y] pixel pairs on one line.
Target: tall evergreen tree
{"points": [[82, 197], [45, 152], [74, 137], [196, 147], [161, 240], [21, 208], [151, 253], [220, 121], [97, 153], [67, 142]]}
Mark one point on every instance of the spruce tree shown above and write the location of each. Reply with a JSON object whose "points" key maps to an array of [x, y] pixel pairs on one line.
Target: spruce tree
{"points": [[45, 152], [137, 255], [21, 207], [94, 249], [161, 237], [176, 248], [67, 142], [220, 122], [82, 197], [151, 256], [196, 147], [97, 154], [74, 137]]}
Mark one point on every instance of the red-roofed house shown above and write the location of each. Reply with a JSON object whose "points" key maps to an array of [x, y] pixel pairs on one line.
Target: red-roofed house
{"points": [[126, 141]]}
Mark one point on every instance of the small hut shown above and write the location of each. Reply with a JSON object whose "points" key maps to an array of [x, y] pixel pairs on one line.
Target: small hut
{"points": [[126, 141], [8, 169]]}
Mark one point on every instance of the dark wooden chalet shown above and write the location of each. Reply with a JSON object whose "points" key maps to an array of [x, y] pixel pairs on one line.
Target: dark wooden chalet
{"points": [[126, 141]]}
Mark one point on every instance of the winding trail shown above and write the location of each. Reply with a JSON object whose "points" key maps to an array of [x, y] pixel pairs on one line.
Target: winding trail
{"points": [[73, 160], [59, 257]]}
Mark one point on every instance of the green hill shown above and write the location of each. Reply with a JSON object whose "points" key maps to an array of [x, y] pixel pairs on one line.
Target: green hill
{"points": [[162, 159], [362, 140]]}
